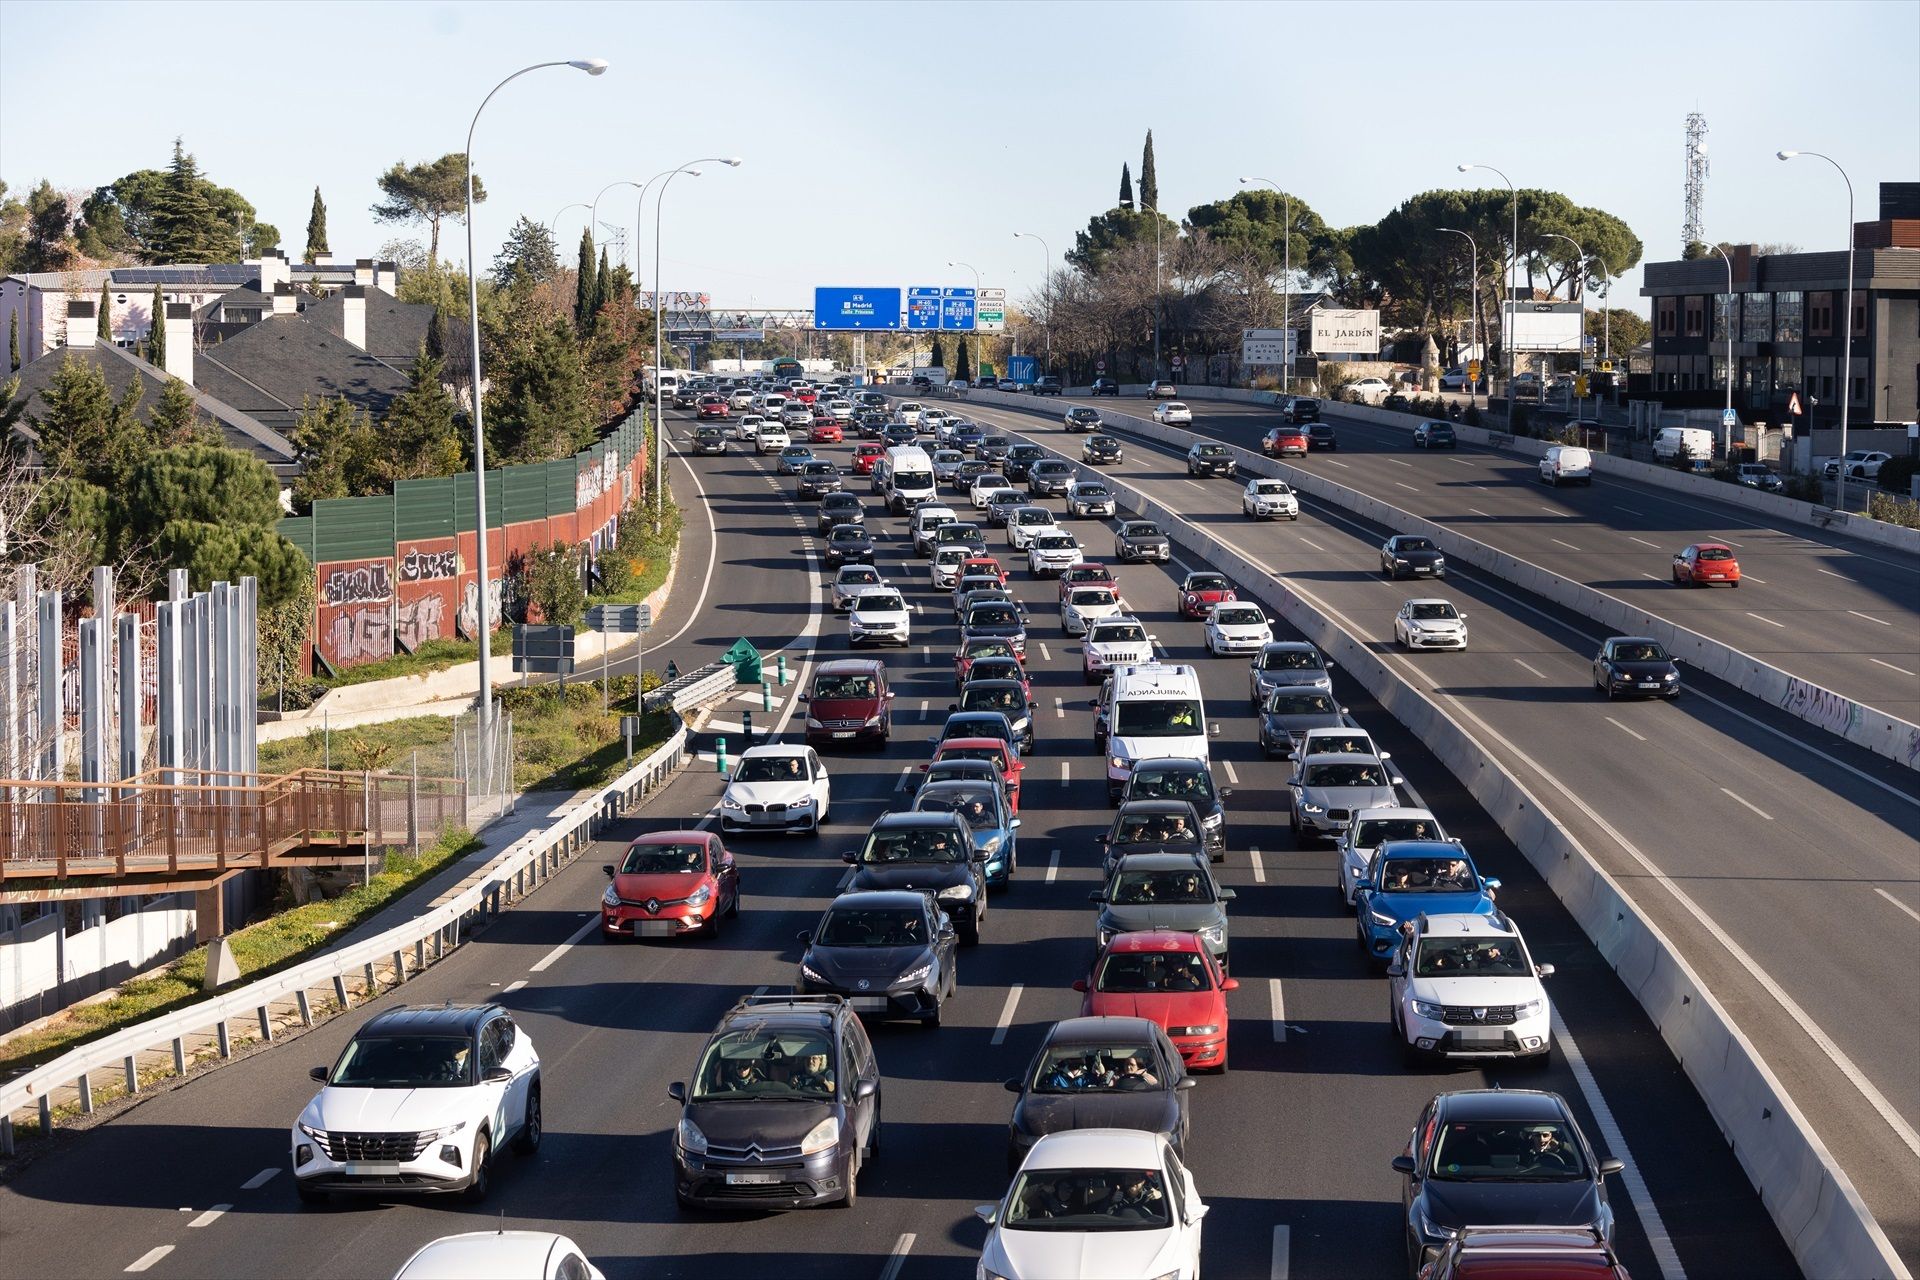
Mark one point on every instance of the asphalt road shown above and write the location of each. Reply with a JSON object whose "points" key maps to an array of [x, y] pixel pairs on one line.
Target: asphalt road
{"points": [[1291, 1149], [1831, 609], [1780, 859]]}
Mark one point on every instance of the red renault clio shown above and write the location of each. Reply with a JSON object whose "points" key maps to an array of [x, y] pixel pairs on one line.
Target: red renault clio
{"points": [[1169, 978], [670, 884]]}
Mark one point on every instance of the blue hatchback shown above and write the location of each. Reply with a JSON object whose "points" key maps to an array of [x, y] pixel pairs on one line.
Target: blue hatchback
{"points": [[968, 437], [984, 805], [1409, 877]]}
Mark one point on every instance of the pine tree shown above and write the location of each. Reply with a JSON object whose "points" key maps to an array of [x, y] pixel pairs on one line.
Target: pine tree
{"points": [[13, 342], [537, 408], [103, 316], [1126, 187], [1149, 181], [186, 227], [176, 419], [602, 284], [316, 230], [156, 351], [84, 432], [420, 433], [583, 284]]}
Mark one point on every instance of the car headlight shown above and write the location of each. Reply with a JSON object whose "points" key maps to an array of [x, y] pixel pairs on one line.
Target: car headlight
{"points": [[913, 976], [1431, 1230], [825, 1136], [1381, 918], [1429, 1010], [701, 896], [873, 722], [1439, 562], [1215, 934], [1399, 560], [957, 892], [318, 1135], [808, 971], [1671, 675], [1532, 1008], [1307, 806], [814, 724], [1117, 762], [1193, 1031], [728, 802], [992, 846], [1102, 936], [1213, 820], [691, 1140], [610, 898]]}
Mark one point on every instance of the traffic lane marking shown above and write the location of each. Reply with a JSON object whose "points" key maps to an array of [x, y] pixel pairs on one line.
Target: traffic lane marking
{"points": [[150, 1257], [898, 1257], [546, 962], [1622, 728], [1279, 1015], [260, 1179], [210, 1217], [1736, 796], [1006, 1014], [1896, 902]]}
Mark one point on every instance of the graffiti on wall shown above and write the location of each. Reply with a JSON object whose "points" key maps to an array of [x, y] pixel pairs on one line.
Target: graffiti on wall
{"points": [[422, 566], [469, 617], [1821, 707], [354, 622], [360, 634], [419, 620], [597, 479], [357, 583]]}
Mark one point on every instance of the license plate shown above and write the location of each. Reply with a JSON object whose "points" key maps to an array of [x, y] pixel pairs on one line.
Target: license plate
{"points": [[752, 1179], [371, 1170], [1650, 685], [844, 733], [653, 928], [870, 1004], [1479, 1035]]}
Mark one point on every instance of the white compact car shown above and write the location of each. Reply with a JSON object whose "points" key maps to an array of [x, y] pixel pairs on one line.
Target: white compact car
{"points": [[879, 615], [1085, 606], [908, 412], [773, 437], [1237, 627], [1366, 391], [1464, 987], [499, 1255], [1172, 413], [983, 484], [796, 414], [842, 411], [945, 463], [1051, 552], [1270, 500], [1096, 1204], [420, 1099], [1027, 523], [1372, 828], [1114, 642], [1430, 624], [746, 427], [946, 565], [851, 580], [776, 787]]}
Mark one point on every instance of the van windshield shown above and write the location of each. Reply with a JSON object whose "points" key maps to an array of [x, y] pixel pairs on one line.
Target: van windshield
{"points": [[1157, 717], [914, 479]]}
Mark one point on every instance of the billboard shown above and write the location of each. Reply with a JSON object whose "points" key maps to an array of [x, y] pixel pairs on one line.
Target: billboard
{"points": [[1266, 346], [1346, 332], [1548, 326], [847, 309]]}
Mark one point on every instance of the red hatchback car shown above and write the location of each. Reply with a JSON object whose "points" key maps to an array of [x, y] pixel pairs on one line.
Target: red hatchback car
{"points": [[974, 650], [806, 395], [670, 884], [1535, 1253], [712, 407], [1200, 592], [826, 431], [1282, 441], [994, 749], [1706, 564], [864, 456], [1169, 978]]}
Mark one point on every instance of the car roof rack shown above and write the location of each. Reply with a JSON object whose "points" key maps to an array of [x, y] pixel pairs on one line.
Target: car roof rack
{"points": [[752, 1000]]}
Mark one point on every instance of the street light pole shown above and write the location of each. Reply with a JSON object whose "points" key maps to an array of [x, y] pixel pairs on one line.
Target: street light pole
{"points": [[555, 220], [1580, 256], [1732, 318], [1846, 332], [976, 293], [639, 209], [659, 304], [1286, 280], [1475, 269], [1506, 327], [484, 632], [1046, 291], [593, 213]]}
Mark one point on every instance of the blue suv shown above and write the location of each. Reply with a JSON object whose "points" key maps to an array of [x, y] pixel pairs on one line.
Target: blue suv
{"points": [[1409, 877], [983, 804]]}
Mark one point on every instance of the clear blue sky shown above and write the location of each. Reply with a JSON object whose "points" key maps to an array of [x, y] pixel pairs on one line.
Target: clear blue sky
{"points": [[883, 139]]}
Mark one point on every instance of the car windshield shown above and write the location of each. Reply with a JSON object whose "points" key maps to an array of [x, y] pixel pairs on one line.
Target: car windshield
{"points": [[1088, 1200], [1052, 469], [879, 602], [990, 754], [1639, 651], [1152, 828], [1088, 597], [1033, 515], [1470, 958], [1354, 773], [1119, 633], [913, 844], [818, 469], [1247, 616], [1437, 609], [1007, 698], [1290, 660], [1141, 972], [1207, 582], [847, 533], [1286, 702], [1412, 544], [1427, 875], [831, 687], [664, 859], [762, 1063], [1159, 888], [989, 649], [1715, 553], [865, 575], [1149, 717], [1091, 490], [974, 803], [1506, 1151], [996, 669], [950, 555], [404, 1062], [1373, 832], [1084, 415], [1055, 542], [1205, 450], [771, 768], [989, 480], [1171, 784], [1079, 1068], [1271, 487], [1140, 529], [872, 927], [993, 615]]}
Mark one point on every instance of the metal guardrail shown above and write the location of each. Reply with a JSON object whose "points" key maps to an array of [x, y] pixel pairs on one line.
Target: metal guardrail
{"points": [[692, 689], [353, 972]]}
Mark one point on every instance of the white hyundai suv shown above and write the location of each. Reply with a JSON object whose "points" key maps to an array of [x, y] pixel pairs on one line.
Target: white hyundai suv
{"points": [[420, 1100], [1464, 987]]}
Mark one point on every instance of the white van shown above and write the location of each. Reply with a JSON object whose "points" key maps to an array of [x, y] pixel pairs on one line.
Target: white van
{"points": [[909, 477], [1153, 709], [1678, 444], [668, 384], [1566, 462]]}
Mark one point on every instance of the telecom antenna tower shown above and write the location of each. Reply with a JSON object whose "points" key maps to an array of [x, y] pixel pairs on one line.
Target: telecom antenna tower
{"points": [[1692, 234]]}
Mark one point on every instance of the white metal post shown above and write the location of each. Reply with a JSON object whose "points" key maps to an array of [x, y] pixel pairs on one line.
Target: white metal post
{"points": [[1846, 333]]}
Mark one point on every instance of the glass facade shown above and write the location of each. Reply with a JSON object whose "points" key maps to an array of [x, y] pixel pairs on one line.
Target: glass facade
{"points": [[1719, 371], [1756, 317], [1724, 305], [1786, 373], [1788, 318]]}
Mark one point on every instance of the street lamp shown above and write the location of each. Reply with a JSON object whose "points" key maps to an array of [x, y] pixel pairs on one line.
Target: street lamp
{"points": [[1046, 291], [555, 220], [1506, 328], [1580, 258], [593, 213], [593, 67], [1846, 329], [1475, 269], [659, 301], [1286, 279], [638, 206], [1733, 316]]}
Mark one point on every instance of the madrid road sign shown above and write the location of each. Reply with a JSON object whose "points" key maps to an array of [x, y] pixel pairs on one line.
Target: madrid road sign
{"points": [[990, 316], [846, 309]]}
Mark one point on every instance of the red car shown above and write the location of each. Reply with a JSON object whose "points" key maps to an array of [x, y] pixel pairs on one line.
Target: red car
{"points": [[1169, 978], [1706, 563], [1086, 575], [994, 749], [826, 431], [864, 456], [1200, 592], [983, 564], [1282, 441], [974, 650], [670, 884], [805, 395], [712, 407]]}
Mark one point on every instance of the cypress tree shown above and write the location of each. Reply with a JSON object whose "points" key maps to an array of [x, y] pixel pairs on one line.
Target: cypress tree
{"points": [[1149, 181], [583, 278], [157, 332], [103, 317], [1126, 187], [175, 419], [317, 229], [13, 341], [602, 285], [185, 225], [938, 358], [963, 365]]}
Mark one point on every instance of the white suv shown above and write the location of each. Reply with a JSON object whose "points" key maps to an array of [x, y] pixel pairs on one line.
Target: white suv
{"points": [[1051, 552], [420, 1099], [879, 615], [1114, 642], [1085, 606], [1269, 500], [776, 787], [1464, 987]]}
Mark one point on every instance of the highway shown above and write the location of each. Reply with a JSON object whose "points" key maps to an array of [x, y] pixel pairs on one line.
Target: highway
{"points": [[1291, 1149], [1831, 609], [1780, 859]]}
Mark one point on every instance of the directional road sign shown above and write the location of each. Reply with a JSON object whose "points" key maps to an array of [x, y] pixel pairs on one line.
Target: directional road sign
{"points": [[956, 310], [545, 650], [923, 308], [856, 308], [620, 619], [990, 316]]}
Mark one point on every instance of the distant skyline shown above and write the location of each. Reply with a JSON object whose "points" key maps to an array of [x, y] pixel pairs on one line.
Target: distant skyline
{"points": [[883, 140]]}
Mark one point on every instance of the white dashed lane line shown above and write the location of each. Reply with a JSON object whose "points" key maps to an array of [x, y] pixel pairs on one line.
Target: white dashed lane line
{"points": [[1740, 799], [1622, 728], [1535, 670], [210, 1217], [259, 1180], [150, 1257], [1896, 902], [1006, 1014]]}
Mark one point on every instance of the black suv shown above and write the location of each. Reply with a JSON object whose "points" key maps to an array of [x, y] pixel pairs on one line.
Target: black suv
{"points": [[933, 852], [1020, 459], [1434, 435], [1301, 409], [1320, 436], [783, 1109], [1151, 826], [890, 954], [1105, 387], [1083, 418], [1181, 778], [1209, 460]]}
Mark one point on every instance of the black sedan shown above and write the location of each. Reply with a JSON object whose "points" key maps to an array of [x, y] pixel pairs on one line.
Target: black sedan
{"points": [[1320, 436], [1290, 712], [1434, 435], [1410, 555], [1049, 478], [848, 544], [891, 954], [817, 479], [1100, 450], [1635, 667], [1020, 460], [709, 440], [1209, 460], [1105, 387], [931, 853], [1183, 778], [1152, 826], [1141, 540], [839, 508], [1100, 1073], [1499, 1155]]}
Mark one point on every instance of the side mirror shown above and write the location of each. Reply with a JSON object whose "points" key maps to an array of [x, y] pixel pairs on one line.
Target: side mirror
{"points": [[1153, 639], [1396, 970], [1106, 840], [1331, 664], [800, 697], [1080, 984], [1228, 895], [1231, 984], [1094, 703], [608, 868], [805, 936], [866, 1088], [1225, 792], [1398, 781], [1186, 1083], [1403, 1164], [1386, 755], [1013, 1085], [986, 1212], [849, 857], [1545, 971], [498, 1075], [677, 1091], [953, 706], [1097, 896], [317, 1073], [1491, 882], [1011, 825], [1611, 1166]]}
